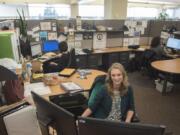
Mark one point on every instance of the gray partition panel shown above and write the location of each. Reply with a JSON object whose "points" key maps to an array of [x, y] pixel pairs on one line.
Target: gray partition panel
{"points": [[114, 42], [156, 26]]}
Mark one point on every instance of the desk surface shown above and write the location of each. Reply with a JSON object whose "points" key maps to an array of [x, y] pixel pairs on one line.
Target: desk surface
{"points": [[84, 83], [119, 49], [169, 66]]}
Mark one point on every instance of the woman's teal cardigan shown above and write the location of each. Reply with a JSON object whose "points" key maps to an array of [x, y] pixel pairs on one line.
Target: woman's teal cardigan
{"points": [[100, 102]]}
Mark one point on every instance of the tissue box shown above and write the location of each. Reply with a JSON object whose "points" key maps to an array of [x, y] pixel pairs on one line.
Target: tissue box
{"points": [[159, 86]]}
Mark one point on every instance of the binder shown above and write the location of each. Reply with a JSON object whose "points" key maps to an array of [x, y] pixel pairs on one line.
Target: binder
{"points": [[67, 72]]}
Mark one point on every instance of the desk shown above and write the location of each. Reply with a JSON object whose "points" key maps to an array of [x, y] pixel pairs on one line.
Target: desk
{"points": [[106, 56], [168, 67], [119, 49], [84, 83], [95, 59]]}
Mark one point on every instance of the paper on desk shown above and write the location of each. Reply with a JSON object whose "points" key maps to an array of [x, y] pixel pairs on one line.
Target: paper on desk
{"points": [[39, 88], [71, 87], [141, 49], [99, 50]]}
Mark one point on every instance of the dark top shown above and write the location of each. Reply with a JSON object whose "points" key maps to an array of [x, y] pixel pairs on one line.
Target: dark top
{"points": [[62, 62], [159, 51], [100, 102]]}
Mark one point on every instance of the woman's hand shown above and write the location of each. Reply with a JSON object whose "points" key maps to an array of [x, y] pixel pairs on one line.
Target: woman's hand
{"points": [[53, 63], [87, 112], [129, 116]]}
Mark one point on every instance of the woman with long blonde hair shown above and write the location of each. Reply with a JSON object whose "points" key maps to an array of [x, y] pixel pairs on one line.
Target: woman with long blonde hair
{"points": [[114, 100]]}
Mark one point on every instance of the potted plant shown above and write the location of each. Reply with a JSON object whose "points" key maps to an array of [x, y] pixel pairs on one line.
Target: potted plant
{"points": [[24, 41], [163, 15]]}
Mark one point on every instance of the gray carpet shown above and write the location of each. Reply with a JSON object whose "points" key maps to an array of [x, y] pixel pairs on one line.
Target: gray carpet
{"points": [[154, 108]]}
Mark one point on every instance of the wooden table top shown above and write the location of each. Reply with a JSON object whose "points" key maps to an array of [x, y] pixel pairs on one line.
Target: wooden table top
{"points": [[120, 49], [84, 83], [169, 66]]}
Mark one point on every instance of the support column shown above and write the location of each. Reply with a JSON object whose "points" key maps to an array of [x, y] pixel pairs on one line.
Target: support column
{"points": [[115, 9], [74, 10]]}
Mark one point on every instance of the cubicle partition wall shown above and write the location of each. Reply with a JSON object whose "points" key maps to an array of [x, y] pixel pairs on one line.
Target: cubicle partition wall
{"points": [[154, 27], [115, 34]]}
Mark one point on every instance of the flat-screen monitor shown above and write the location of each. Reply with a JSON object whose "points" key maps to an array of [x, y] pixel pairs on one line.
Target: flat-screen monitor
{"points": [[173, 43], [36, 49], [92, 126], [61, 120], [50, 46]]}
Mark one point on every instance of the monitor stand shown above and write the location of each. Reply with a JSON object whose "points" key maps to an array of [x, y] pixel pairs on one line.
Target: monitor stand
{"points": [[44, 124]]}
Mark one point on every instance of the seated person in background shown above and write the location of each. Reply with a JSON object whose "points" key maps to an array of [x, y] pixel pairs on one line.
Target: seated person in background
{"points": [[59, 62], [157, 47], [114, 100]]}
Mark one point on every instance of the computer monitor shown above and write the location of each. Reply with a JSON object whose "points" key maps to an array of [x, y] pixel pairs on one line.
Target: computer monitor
{"points": [[61, 120], [92, 126], [36, 49], [173, 43], [50, 46]]}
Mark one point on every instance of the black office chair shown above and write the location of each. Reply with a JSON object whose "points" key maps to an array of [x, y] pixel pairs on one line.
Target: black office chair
{"points": [[99, 79], [72, 58], [6, 74], [147, 58]]}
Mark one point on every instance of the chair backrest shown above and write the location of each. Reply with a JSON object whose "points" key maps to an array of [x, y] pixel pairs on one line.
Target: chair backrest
{"points": [[6, 74], [72, 58], [13, 91], [148, 57], [99, 79]]}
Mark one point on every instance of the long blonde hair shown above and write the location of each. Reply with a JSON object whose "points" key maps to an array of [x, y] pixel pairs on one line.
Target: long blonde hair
{"points": [[109, 82]]}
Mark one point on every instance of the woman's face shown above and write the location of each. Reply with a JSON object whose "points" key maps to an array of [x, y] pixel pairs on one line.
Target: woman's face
{"points": [[117, 77]]}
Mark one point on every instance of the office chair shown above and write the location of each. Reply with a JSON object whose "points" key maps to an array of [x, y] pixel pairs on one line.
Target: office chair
{"points": [[147, 58], [72, 58], [6, 74], [99, 79], [13, 89]]}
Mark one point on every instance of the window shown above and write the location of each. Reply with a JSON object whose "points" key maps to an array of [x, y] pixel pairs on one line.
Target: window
{"points": [[8, 11], [91, 11], [142, 12], [41, 11], [177, 13], [170, 13]]}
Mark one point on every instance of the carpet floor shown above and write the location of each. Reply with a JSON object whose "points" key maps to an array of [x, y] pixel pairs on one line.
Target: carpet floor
{"points": [[154, 108]]}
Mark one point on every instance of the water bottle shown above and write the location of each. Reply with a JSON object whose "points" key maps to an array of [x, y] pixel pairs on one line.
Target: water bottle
{"points": [[29, 67]]}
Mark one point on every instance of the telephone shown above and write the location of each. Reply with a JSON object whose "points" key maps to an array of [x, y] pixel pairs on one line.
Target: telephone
{"points": [[88, 51]]}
